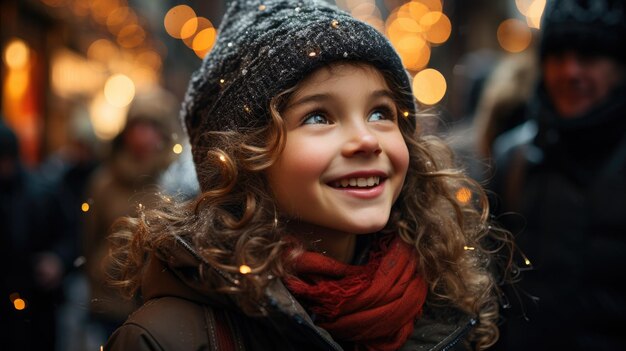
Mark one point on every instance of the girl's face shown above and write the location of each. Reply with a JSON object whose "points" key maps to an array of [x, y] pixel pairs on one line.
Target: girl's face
{"points": [[345, 160]]}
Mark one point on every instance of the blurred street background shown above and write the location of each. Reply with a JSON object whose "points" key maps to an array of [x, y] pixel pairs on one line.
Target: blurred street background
{"points": [[82, 82]]}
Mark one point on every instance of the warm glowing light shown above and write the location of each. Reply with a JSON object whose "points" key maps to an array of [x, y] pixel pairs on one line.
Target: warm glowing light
{"points": [[16, 54], [523, 6], [189, 28], [433, 5], [464, 195], [131, 36], [312, 54], [244, 269], [119, 90], [107, 120], [414, 58], [102, 50], [204, 41], [84, 207], [176, 18], [408, 24], [202, 24], [19, 304], [429, 86], [119, 17], [16, 83], [80, 8], [514, 35], [439, 27], [101, 9], [177, 149], [469, 248], [527, 261], [17, 301], [150, 59], [73, 75], [535, 11], [406, 114], [222, 158], [415, 9]]}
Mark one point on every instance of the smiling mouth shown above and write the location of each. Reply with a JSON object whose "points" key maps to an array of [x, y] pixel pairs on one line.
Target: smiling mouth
{"points": [[357, 182]]}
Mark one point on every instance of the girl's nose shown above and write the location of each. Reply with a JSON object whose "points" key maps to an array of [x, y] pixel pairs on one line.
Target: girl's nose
{"points": [[361, 142]]}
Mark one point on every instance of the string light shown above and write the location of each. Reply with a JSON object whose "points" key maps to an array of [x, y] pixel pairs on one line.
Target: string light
{"points": [[177, 149], [244, 269]]}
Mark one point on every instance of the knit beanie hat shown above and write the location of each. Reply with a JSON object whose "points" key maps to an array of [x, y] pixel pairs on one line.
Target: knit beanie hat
{"points": [[265, 47], [596, 27]]}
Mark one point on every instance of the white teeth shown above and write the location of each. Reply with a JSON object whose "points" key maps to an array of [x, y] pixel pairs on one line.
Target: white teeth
{"points": [[358, 182]]}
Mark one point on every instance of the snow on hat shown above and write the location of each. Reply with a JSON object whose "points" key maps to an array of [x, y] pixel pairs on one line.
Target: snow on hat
{"points": [[266, 47]]}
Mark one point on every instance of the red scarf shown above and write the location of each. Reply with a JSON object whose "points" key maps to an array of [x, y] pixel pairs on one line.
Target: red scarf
{"points": [[372, 306]]}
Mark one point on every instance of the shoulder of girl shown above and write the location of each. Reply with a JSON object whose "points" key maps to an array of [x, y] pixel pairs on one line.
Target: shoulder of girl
{"points": [[164, 324]]}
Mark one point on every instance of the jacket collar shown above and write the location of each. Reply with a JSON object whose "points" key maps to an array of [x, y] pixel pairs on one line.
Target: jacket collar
{"points": [[175, 272]]}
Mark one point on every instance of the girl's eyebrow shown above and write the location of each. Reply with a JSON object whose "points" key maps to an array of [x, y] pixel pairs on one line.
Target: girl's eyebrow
{"points": [[323, 97]]}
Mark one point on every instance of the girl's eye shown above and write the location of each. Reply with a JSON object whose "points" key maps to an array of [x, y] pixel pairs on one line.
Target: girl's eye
{"points": [[316, 119], [381, 114]]}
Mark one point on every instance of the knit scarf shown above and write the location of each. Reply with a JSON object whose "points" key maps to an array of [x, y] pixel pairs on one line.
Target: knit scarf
{"points": [[372, 306]]}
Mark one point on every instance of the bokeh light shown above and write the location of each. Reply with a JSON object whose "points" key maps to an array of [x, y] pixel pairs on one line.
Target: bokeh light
{"points": [[16, 54], [413, 26], [19, 304], [514, 35], [178, 149], [201, 24], [175, 18], [429, 86], [119, 90], [523, 6], [463, 195], [204, 41], [189, 28], [245, 269], [102, 50], [438, 27], [119, 18], [534, 14], [107, 120], [131, 35], [84, 207], [16, 83]]}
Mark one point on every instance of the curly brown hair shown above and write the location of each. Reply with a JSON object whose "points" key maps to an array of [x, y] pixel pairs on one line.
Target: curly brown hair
{"points": [[440, 211]]}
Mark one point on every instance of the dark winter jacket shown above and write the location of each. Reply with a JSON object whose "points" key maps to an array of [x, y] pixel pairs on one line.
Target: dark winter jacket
{"points": [[562, 192], [180, 314]]}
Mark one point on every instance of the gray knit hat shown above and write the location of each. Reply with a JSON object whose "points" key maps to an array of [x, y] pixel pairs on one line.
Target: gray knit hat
{"points": [[265, 47]]}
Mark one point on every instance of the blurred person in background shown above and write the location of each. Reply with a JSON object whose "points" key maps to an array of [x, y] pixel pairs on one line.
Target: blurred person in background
{"points": [[69, 170], [31, 254], [564, 171], [127, 180]]}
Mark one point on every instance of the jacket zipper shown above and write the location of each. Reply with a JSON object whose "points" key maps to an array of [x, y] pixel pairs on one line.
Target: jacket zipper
{"points": [[310, 329], [300, 321], [460, 334]]}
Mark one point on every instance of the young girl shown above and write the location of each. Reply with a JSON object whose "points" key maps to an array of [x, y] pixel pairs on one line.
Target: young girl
{"points": [[326, 222]]}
